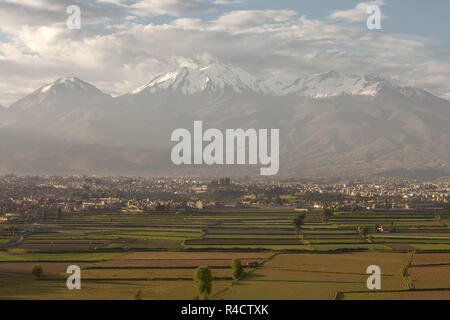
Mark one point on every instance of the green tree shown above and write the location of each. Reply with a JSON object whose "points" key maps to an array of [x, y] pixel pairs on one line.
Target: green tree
{"points": [[363, 231], [37, 271], [298, 222], [393, 227], [237, 270], [203, 281], [326, 214], [58, 213]]}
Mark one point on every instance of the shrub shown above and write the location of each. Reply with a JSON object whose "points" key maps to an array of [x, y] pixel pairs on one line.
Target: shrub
{"points": [[237, 271], [37, 271], [138, 295], [363, 231], [326, 214], [203, 280]]}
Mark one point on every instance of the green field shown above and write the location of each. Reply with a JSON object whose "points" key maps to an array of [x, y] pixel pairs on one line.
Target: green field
{"points": [[157, 253]]}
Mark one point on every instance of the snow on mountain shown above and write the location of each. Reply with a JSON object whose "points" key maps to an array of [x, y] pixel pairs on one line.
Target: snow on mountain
{"points": [[218, 77], [331, 84], [60, 93], [67, 83], [329, 126], [214, 77]]}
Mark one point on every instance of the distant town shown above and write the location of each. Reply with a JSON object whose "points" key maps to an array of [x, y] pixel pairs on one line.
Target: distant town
{"points": [[31, 198]]}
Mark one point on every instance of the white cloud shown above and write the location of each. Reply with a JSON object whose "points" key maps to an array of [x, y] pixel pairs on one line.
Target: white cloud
{"points": [[116, 2], [228, 2], [170, 7], [241, 21], [358, 13], [117, 54], [246, 18], [48, 4]]}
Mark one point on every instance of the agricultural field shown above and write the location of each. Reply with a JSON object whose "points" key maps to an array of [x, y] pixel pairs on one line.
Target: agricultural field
{"points": [[157, 253], [159, 275], [316, 276], [241, 229]]}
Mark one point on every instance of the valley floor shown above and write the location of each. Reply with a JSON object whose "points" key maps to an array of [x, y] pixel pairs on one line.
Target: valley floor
{"points": [[156, 254]]}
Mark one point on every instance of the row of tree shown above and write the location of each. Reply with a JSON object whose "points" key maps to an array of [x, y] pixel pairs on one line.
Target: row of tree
{"points": [[299, 220], [203, 278]]}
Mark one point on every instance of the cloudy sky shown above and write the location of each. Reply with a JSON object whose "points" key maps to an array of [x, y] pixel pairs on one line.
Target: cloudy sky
{"points": [[122, 43]]}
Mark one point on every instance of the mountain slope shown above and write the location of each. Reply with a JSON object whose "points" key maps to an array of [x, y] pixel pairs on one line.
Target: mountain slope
{"points": [[23, 153], [330, 124], [330, 84], [63, 93], [214, 77], [67, 108], [362, 135]]}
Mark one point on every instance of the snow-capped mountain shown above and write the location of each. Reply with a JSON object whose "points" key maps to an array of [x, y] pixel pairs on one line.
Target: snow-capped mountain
{"points": [[70, 83], [331, 84], [66, 108], [62, 93], [219, 77], [330, 124], [214, 77]]}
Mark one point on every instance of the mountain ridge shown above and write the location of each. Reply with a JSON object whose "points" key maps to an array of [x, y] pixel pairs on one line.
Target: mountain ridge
{"points": [[330, 124], [315, 85], [219, 77], [62, 86], [213, 77]]}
